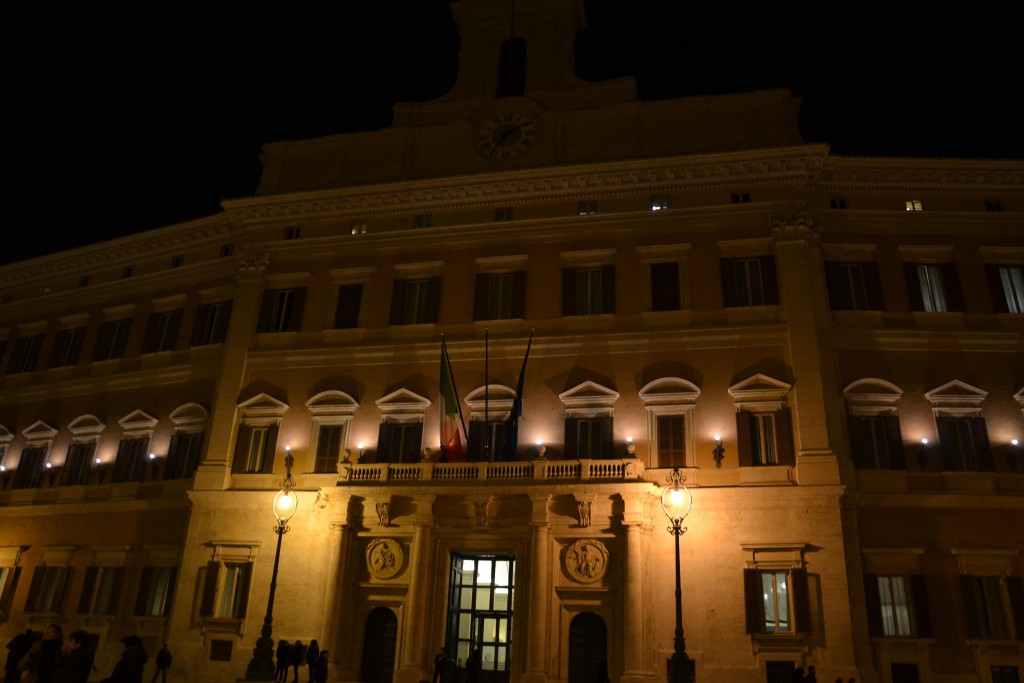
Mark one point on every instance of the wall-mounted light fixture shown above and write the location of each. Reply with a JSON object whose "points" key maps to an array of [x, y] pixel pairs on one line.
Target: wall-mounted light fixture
{"points": [[5, 475], [154, 466], [360, 447], [51, 474], [1012, 457], [922, 455], [719, 451], [630, 447], [541, 448]]}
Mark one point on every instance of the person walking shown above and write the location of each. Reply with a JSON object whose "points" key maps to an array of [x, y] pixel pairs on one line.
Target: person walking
{"points": [[163, 663], [16, 649], [320, 668], [298, 657], [132, 663], [284, 660], [76, 659], [312, 655], [474, 664], [42, 659]]}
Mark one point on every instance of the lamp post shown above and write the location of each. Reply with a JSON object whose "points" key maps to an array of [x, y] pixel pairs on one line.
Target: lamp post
{"points": [[261, 666], [676, 501]]}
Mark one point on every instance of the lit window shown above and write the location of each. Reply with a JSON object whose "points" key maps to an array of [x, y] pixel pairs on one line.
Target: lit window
{"points": [[359, 228], [933, 294], [155, 592], [101, 590], [661, 202], [1009, 289], [914, 205], [892, 596], [587, 208]]}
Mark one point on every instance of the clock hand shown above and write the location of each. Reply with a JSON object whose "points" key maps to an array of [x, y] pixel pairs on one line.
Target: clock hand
{"points": [[509, 132]]}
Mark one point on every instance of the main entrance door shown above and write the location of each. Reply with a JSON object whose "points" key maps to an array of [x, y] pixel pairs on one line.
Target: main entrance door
{"points": [[480, 616]]}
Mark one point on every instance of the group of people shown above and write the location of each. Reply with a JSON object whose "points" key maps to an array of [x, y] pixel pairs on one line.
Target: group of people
{"points": [[297, 655], [52, 659], [811, 676]]}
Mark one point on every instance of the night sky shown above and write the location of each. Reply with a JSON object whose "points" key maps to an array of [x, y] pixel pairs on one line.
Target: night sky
{"points": [[123, 122]]}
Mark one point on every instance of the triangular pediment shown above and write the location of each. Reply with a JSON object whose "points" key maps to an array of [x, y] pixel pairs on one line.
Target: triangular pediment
{"points": [[263, 405], [669, 391], [402, 401], [5, 435], [86, 426], [39, 431], [137, 420], [759, 388], [332, 402], [589, 393], [956, 393]]}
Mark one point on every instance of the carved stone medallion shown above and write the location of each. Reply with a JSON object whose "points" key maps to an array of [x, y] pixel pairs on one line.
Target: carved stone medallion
{"points": [[384, 557], [586, 560]]}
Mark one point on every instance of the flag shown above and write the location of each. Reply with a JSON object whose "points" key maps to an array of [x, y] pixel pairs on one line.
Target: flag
{"points": [[451, 413], [512, 430]]}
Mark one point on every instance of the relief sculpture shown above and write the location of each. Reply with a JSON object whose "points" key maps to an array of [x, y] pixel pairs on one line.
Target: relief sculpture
{"points": [[384, 557], [586, 560]]}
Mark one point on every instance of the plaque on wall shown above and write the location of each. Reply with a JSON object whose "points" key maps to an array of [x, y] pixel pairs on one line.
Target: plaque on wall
{"points": [[384, 557], [586, 560]]}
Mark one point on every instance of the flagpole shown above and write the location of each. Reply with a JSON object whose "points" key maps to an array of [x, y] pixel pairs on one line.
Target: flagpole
{"points": [[487, 423], [458, 403], [517, 408]]}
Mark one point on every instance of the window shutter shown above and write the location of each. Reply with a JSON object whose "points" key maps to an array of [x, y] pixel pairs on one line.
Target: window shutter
{"points": [[770, 281], [922, 612], [784, 436], [143, 594], [856, 429], [897, 456], [519, 294], [995, 288], [64, 582], [88, 588], [7, 597], [294, 322], [266, 310], [607, 289], [209, 588], [220, 330], [951, 286], [270, 450], [744, 446], [1015, 596], [607, 442], [982, 449], [568, 291], [873, 601], [241, 448], [121, 338], [752, 600], [913, 287], [202, 313], [801, 601], [433, 299], [480, 296], [571, 437], [835, 287], [32, 603], [946, 441], [173, 326], [115, 591], [728, 282], [244, 580], [398, 302], [415, 446], [476, 440], [346, 311], [76, 346], [972, 625], [384, 439]]}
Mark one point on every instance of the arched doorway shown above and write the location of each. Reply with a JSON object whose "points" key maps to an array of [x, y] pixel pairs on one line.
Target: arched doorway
{"points": [[588, 641], [379, 646]]}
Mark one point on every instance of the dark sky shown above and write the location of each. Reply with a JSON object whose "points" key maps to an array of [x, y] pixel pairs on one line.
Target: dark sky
{"points": [[121, 122]]}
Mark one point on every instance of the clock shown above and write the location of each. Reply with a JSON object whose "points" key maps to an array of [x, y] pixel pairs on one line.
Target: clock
{"points": [[507, 133]]}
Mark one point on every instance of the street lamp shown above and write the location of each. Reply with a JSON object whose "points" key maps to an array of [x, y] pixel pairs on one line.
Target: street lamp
{"points": [[261, 666], [676, 501]]}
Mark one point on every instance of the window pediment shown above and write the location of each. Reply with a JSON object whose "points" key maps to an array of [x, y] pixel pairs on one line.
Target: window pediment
{"points": [[496, 398], [872, 396], [589, 399], [137, 424], [189, 417], [332, 402], [760, 392], [263, 405], [669, 390], [402, 406], [39, 432], [956, 399]]}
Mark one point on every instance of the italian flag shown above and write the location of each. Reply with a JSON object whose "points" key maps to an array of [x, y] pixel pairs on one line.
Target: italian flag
{"points": [[451, 435]]}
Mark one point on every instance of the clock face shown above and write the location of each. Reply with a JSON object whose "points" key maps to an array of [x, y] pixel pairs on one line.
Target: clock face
{"points": [[506, 134]]}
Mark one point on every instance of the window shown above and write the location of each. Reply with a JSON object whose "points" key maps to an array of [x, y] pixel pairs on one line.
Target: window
{"points": [[281, 310], [669, 402], [914, 205], [876, 442], [156, 591], [749, 282], [670, 442], [346, 312], [30, 468], [1007, 287], [422, 220], [963, 442], [78, 464], [329, 444], [933, 287], [853, 286], [587, 208], [1004, 674], [893, 604], [183, 455], [177, 261], [993, 205], [292, 233], [415, 301], [661, 202], [987, 601], [503, 213], [512, 68], [211, 323], [399, 442], [588, 291], [46, 593], [897, 605], [762, 438], [226, 589], [739, 198], [84, 281], [127, 272], [227, 250], [487, 440], [101, 590], [25, 355], [255, 448], [112, 339], [162, 331], [499, 296], [9, 574], [131, 459], [67, 345], [589, 438], [763, 428], [836, 203], [776, 600], [665, 289], [359, 228]]}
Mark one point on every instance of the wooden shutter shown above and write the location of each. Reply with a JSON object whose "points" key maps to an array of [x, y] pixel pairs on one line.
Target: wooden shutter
{"points": [[481, 294], [242, 440], [873, 285], [744, 444], [950, 458], [835, 287], [266, 311], [433, 300], [7, 596], [728, 266], [571, 437], [206, 605], [951, 287], [784, 436], [398, 302], [995, 288], [245, 580], [142, 598], [88, 588], [752, 600], [971, 624], [294, 322], [855, 425], [607, 442], [913, 287], [769, 281], [220, 330], [801, 600], [202, 313], [873, 602], [922, 612], [415, 443], [568, 291], [1015, 595], [384, 438], [270, 450], [897, 456], [519, 294], [607, 289], [982, 449]]}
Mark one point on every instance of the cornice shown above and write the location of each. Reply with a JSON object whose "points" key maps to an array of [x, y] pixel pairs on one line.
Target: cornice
{"points": [[891, 175]]}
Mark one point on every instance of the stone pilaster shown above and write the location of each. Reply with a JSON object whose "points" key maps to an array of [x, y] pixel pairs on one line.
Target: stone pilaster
{"points": [[536, 668]]}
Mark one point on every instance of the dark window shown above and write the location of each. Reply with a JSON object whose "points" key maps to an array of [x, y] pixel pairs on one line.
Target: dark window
{"points": [[8, 584], [211, 323], [963, 442], [177, 261], [127, 272], [512, 68], [84, 281], [991, 606], [933, 287], [1006, 284], [422, 220], [665, 294], [486, 440], [587, 208], [281, 310], [499, 296], [227, 250], [853, 286], [764, 438], [255, 446], [993, 205], [740, 198], [131, 458], [328, 448], [292, 233], [156, 591], [112, 339], [77, 464], [671, 443], [67, 346], [876, 442], [415, 302], [779, 671], [589, 437], [1004, 674], [162, 331], [101, 590], [350, 301], [588, 291], [399, 442], [837, 203], [25, 354], [503, 213], [897, 606], [905, 673], [226, 590], [776, 600], [47, 591], [30, 468], [749, 282], [183, 455]]}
